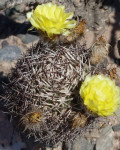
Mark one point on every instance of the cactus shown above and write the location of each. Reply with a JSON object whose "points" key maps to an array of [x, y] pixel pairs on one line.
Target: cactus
{"points": [[43, 93]]}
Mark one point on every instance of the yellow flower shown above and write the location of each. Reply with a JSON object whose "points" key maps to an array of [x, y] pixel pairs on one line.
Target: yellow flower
{"points": [[51, 19], [100, 95]]}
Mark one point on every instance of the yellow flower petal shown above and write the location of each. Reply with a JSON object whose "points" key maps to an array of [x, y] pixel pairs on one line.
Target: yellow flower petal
{"points": [[69, 15], [66, 32], [52, 19], [100, 95], [29, 14]]}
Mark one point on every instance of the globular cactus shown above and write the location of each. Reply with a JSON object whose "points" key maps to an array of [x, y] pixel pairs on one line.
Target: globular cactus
{"points": [[43, 93]]}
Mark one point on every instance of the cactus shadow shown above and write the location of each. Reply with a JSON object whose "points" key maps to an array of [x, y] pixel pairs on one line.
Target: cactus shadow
{"points": [[9, 27], [115, 8], [3, 79]]}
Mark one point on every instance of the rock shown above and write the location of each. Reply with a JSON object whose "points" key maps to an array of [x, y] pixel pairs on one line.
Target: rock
{"points": [[117, 113], [16, 146], [17, 8], [2, 4], [79, 144], [19, 18], [4, 43], [9, 53], [28, 38], [14, 10], [105, 7], [10, 11], [82, 144], [85, 145], [105, 141], [20, 8], [116, 127], [67, 145], [56, 148]]}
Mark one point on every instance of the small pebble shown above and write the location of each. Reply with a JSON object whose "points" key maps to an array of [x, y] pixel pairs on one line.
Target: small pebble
{"points": [[105, 141], [10, 11], [28, 38], [117, 113], [19, 18], [79, 144], [2, 4], [4, 43], [9, 53], [116, 127]]}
